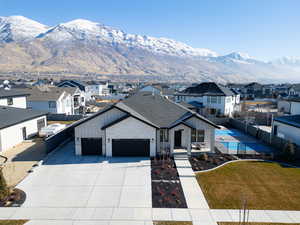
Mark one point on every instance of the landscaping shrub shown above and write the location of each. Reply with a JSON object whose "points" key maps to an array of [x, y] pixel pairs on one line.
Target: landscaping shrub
{"points": [[289, 151], [4, 190]]}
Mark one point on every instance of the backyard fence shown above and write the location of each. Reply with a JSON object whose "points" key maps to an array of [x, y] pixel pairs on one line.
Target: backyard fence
{"points": [[266, 137], [63, 117], [59, 138]]}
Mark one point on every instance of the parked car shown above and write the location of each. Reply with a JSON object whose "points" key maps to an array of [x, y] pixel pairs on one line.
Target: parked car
{"points": [[51, 129]]}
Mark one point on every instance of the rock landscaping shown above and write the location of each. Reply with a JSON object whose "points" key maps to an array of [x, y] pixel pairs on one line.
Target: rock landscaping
{"points": [[14, 199], [208, 161], [166, 187]]}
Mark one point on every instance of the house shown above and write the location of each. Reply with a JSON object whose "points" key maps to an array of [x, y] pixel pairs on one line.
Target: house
{"points": [[287, 127], [78, 100], [13, 98], [18, 124], [145, 124], [216, 99], [161, 89], [97, 88], [50, 99], [294, 90], [252, 90], [289, 105], [90, 88]]}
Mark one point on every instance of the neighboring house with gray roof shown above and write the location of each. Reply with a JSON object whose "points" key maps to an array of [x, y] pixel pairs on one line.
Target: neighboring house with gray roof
{"points": [[50, 99], [145, 124], [17, 125], [287, 127], [13, 98], [215, 98], [161, 89]]}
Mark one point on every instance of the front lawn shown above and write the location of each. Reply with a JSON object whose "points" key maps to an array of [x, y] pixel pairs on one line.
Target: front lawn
{"points": [[264, 185], [232, 223], [172, 223], [12, 222]]}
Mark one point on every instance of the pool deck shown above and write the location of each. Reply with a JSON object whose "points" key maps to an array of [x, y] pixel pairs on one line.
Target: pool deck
{"points": [[234, 135]]}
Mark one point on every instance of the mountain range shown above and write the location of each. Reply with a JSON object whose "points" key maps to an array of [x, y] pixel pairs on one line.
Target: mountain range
{"points": [[82, 46]]}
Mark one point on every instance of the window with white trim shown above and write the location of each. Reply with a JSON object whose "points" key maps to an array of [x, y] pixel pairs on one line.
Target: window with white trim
{"points": [[197, 135]]}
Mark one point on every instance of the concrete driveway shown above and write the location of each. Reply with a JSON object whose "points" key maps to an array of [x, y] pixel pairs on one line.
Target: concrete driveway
{"points": [[70, 181]]}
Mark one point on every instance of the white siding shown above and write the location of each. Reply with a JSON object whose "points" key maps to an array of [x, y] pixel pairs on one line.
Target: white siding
{"points": [[130, 128], [11, 136], [289, 132], [295, 108], [209, 131], [92, 128], [185, 136], [18, 102]]}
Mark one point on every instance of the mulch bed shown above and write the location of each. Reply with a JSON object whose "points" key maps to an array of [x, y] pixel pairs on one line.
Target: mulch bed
{"points": [[168, 195], [166, 187], [16, 198], [163, 169], [207, 161]]}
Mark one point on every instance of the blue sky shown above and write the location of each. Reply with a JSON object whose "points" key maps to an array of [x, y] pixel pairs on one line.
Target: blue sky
{"points": [[264, 29]]}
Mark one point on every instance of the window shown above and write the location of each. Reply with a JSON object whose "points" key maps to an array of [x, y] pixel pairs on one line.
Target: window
{"points": [[40, 124], [197, 135], [52, 104], [82, 99], [213, 99], [164, 135], [10, 101], [275, 131]]}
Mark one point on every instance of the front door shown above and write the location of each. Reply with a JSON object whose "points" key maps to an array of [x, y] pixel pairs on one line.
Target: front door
{"points": [[177, 138], [24, 133]]}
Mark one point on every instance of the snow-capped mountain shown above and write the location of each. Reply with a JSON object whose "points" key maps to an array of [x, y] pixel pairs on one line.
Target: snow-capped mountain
{"points": [[86, 30], [81, 46], [19, 28], [288, 61]]}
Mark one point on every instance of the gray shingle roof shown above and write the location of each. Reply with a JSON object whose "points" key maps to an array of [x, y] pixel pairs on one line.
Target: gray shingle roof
{"points": [[12, 93], [51, 94], [157, 110], [10, 116], [208, 88]]}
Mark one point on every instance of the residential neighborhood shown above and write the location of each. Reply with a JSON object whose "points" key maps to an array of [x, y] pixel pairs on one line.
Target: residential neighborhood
{"points": [[66, 132]]}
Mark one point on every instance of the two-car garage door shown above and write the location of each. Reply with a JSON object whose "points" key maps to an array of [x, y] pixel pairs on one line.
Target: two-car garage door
{"points": [[130, 147], [120, 147], [91, 146]]}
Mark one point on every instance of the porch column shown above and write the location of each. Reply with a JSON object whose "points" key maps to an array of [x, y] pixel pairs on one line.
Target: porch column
{"points": [[188, 141], [212, 140]]}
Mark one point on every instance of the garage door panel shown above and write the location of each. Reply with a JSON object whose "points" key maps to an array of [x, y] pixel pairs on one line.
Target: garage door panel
{"points": [[91, 146], [131, 147]]}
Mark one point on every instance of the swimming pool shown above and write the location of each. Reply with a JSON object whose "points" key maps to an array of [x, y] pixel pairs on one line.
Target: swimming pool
{"points": [[240, 146], [227, 132]]}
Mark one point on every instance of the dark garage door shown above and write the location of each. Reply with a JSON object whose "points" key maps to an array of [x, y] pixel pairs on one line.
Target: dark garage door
{"points": [[131, 147], [91, 146]]}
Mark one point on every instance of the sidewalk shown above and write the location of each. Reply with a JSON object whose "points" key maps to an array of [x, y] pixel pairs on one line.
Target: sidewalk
{"points": [[192, 191]]}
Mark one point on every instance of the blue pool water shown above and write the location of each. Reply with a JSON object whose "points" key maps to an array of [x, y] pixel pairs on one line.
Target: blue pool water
{"points": [[239, 146], [227, 132]]}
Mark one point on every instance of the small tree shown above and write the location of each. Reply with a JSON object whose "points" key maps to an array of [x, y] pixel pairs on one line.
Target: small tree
{"points": [[4, 189], [289, 151]]}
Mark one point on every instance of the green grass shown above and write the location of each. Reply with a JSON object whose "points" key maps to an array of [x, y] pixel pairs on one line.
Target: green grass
{"points": [[230, 223], [13, 222], [264, 185], [61, 122], [172, 223]]}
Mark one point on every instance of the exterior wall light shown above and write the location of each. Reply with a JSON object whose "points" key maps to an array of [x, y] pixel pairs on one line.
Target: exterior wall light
{"points": [[108, 140]]}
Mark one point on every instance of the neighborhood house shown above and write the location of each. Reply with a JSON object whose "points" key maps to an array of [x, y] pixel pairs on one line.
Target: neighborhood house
{"points": [[17, 124]]}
